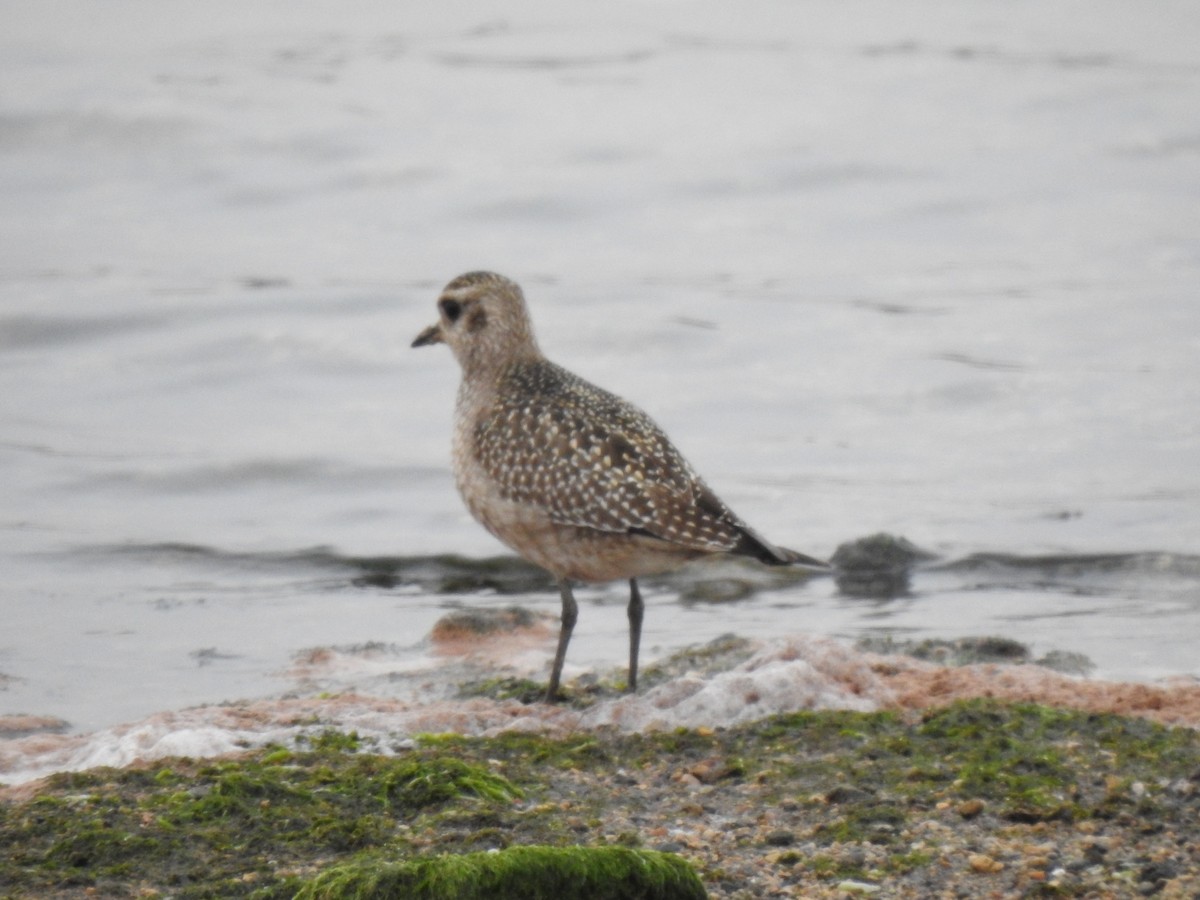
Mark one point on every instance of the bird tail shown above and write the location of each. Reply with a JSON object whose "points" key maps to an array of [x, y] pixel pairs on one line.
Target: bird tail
{"points": [[753, 544]]}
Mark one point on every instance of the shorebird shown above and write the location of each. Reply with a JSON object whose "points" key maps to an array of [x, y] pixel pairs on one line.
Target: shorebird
{"points": [[573, 478]]}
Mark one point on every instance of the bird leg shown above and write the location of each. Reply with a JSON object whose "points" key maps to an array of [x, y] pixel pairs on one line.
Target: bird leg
{"points": [[570, 612], [636, 608]]}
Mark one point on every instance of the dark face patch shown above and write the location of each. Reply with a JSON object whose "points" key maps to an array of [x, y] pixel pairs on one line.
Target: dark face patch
{"points": [[476, 319]]}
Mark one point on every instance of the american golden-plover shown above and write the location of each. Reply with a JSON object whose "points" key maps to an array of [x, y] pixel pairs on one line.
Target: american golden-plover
{"points": [[573, 478]]}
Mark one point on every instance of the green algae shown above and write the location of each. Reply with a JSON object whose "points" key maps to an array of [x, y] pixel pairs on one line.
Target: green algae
{"points": [[330, 740], [277, 820], [203, 826], [519, 873]]}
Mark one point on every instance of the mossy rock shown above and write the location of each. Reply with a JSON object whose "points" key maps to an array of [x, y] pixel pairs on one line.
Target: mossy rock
{"points": [[518, 873]]}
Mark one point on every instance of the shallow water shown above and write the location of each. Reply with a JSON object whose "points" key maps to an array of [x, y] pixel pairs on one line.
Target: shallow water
{"points": [[931, 273]]}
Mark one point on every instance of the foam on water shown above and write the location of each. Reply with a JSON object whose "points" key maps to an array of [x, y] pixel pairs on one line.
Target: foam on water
{"points": [[781, 676], [784, 676]]}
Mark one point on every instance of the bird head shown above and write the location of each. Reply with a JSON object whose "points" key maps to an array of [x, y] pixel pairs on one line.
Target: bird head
{"points": [[482, 318]]}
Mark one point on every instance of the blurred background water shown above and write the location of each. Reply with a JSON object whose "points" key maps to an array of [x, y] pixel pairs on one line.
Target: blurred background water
{"points": [[928, 269]]}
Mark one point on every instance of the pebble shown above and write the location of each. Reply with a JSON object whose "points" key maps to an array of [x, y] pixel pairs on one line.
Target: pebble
{"points": [[858, 887], [969, 809], [984, 864]]}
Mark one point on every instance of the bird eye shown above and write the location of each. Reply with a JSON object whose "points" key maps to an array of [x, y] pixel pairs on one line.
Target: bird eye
{"points": [[451, 309]]}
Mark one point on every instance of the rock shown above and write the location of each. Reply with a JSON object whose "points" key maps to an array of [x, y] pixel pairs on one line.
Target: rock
{"points": [[876, 566], [969, 809], [984, 864]]}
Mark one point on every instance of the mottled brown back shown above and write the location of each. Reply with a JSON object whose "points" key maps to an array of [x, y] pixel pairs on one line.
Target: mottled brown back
{"points": [[591, 459]]}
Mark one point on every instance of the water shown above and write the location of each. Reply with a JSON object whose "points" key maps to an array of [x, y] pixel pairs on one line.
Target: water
{"points": [[928, 271]]}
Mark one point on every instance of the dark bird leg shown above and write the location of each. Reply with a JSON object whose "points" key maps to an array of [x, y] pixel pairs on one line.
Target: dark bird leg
{"points": [[570, 612], [636, 608]]}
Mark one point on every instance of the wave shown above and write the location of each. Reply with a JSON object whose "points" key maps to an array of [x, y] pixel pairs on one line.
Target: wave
{"points": [[708, 581], [1182, 565]]}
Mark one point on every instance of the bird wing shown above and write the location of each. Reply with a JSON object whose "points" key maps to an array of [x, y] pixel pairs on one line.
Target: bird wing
{"points": [[590, 459]]}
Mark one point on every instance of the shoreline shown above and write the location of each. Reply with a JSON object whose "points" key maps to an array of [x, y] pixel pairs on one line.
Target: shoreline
{"points": [[977, 798], [727, 682]]}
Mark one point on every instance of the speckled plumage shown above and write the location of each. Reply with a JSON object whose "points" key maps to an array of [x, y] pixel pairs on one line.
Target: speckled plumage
{"points": [[572, 477]]}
